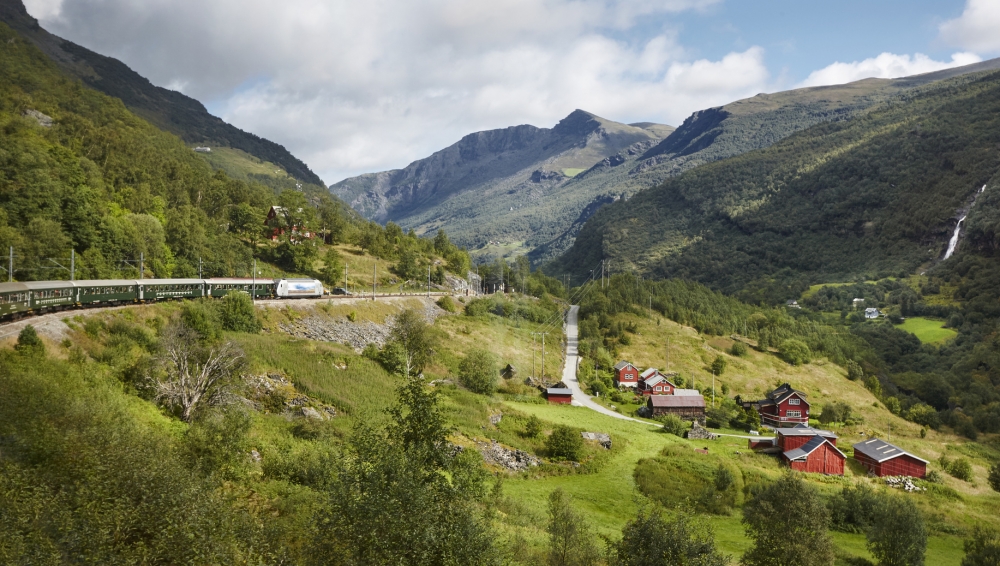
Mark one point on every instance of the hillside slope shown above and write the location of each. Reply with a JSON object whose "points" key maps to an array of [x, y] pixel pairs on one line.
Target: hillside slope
{"points": [[880, 193], [166, 109], [499, 185]]}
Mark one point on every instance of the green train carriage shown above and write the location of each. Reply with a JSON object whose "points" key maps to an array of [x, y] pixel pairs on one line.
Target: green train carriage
{"points": [[161, 289], [219, 287], [107, 291]]}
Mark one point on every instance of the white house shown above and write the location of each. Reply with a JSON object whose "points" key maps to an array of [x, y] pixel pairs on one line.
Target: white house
{"points": [[871, 313]]}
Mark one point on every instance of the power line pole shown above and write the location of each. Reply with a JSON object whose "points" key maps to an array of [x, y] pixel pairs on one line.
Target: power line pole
{"points": [[345, 278], [713, 388], [374, 278], [10, 265], [602, 274], [428, 280], [72, 265], [142, 266], [533, 353], [253, 286], [200, 265], [543, 355], [668, 354]]}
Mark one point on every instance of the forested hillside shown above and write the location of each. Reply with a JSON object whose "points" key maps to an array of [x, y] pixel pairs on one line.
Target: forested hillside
{"points": [[878, 194], [168, 110]]}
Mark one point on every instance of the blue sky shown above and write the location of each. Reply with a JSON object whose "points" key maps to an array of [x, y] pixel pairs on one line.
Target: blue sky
{"points": [[354, 87]]}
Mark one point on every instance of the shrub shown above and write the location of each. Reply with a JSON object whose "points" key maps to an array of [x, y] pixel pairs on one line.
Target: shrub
{"points": [[447, 304], [673, 424], [201, 317], [738, 349], [28, 341], [719, 365], [983, 549], [533, 427], [238, 314], [565, 443], [961, 469], [994, 477], [836, 412], [795, 352], [478, 372], [923, 414], [655, 538], [854, 371], [853, 509]]}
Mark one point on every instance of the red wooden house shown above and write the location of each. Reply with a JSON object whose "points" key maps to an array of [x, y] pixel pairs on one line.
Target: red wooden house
{"points": [[783, 407], [817, 456], [278, 220], [626, 375], [652, 382], [559, 395], [884, 459]]}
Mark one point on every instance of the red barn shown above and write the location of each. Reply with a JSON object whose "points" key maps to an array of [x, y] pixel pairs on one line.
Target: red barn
{"points": [[559, 395], [626, 375], [817, 456], [652, 382], [794, 437], [687, 407], [884, 459], [783, 407]]}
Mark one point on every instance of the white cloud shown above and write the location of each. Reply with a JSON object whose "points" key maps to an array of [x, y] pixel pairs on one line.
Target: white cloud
{"points": [[885, 66], [977, 29], [352, 87]]}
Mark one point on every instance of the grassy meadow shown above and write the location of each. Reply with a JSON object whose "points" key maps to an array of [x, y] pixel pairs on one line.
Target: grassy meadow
{"points": [[928, 330]]}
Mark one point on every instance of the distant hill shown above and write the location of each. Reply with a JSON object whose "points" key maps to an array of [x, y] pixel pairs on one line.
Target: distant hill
{"points": [[873, 196], [501, 185], [168, 110]]}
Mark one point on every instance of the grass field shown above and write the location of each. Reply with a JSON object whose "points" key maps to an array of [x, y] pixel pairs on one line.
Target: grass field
{"points": [[928, 330], [572, 172]]}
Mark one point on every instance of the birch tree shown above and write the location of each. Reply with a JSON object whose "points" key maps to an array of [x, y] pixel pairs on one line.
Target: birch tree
{"points": [[193, 375]]}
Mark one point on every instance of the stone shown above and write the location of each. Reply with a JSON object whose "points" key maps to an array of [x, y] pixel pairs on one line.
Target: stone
{"points": [[699, 432], [255, 456], [510, 459], [601, 438], [42, 119], [310, 413], [495, 419]]}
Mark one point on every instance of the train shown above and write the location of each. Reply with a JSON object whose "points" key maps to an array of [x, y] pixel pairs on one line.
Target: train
{"points": [[30, 297]]}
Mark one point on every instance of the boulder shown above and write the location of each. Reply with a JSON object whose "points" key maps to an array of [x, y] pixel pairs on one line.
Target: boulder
{"points": [[601, 438], [699, 432]]}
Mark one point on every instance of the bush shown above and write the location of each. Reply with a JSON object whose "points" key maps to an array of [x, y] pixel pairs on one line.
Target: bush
{"points": [[853, 509], [795, 352], [533, 427], [738, 349], [655, 538], [478, 372], [673, 424], [854, 371], [201, 317], [237, 313], [923, 414], [836, 412], [719, 365], [983, 549], [565, 443], [447, 304], [994, 477], [961, 469], [28, 341]]}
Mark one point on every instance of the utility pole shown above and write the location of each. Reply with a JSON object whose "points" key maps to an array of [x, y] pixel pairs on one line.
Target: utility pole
{"points": [[533, 353], [374, 278], [253, 286], [200, 264], [428, 280], [602, 274], [668, 354], [72, 265], [345, 278], [543, 355], [142, 266], [713, 388], [10, 265]]}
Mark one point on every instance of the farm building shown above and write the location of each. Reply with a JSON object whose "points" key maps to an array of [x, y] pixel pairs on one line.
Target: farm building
{"points": [[652, 382], [884, 459], [790, 438], [687, 407], [783, 407], [817, 456], [559, 395], [278, 220], [871, 313], [626, 375]]}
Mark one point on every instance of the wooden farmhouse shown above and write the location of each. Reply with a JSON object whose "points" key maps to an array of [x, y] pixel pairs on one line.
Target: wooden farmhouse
{"points": [[559, 395], [652, 382], [278, 220], [626, 375], [805, 449], [687, 407], [883, 459], [783, 407]]}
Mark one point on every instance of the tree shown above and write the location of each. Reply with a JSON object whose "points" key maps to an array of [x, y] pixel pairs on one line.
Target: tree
{"points": [[400, 495], [245, 222], [28, 342], [787, 523], [201, 317], [533, 427], [333, 268], [854, 371], [654, 538], [570, 540], [237, 313], [994, 476], [983, 548], [478, 372], [565, 443], [719, 365], [193, 374], [738, 349], [795, 352], [897, 535], [411, 331]]}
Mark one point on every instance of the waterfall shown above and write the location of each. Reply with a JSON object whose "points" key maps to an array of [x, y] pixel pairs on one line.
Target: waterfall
{"points": [[953, 242]]}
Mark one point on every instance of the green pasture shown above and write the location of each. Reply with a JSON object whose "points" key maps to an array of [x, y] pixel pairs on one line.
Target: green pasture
{"points": [[572, 171], [928, 330]]}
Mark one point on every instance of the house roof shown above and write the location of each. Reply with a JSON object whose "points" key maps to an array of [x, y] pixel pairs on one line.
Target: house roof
{"points": [[623, 364], [783, 392], [558, 391], [655, 380], [808, 448], [678, 401], [880, 450], [649, 372], [686, 392], [804, 430]]}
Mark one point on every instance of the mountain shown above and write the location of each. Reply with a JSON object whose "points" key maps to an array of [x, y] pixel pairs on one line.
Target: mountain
{"points": [[500, 185], [168, 110], [872, 196]]}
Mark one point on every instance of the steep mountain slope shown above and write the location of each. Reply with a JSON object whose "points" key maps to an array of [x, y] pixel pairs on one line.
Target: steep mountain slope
{"points": [[876, 194], [168, 110], [741, 126], [498, 184]]}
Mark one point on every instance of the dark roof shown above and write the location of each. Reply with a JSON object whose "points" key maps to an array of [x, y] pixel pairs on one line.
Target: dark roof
{"points": [[679, 401], [558, 391], [804, 430], [809, 447], [880, 450], [783, 391]]}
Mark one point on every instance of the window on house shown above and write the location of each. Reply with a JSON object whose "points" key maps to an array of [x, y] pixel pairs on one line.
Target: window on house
{"points": [[794, 414], [793, 401]]}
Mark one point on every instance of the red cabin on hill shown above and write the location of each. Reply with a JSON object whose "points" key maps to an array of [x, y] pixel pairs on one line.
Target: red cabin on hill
{"points": [[652, 382], [818, 456], [884, 459], [559, 395], [783, 407], [626, 375]]}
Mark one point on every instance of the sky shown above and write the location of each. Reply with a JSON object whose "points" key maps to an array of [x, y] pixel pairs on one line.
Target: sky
{"points": [[352, 87]]}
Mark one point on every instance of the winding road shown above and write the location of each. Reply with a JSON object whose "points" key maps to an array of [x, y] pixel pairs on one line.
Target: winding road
{"points": [[581, 399]]}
